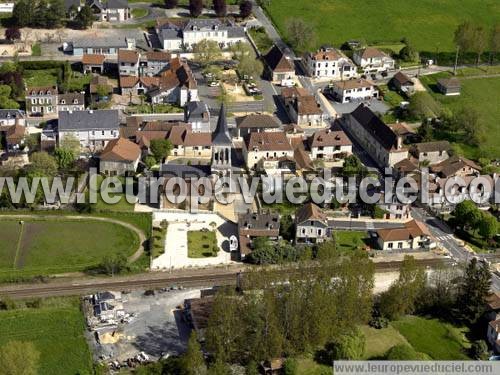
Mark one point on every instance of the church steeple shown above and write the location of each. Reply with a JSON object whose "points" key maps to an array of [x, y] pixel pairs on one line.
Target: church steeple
{"points": [[221, 145]]}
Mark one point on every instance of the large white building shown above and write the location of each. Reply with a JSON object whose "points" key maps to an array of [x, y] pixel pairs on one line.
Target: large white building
{"points": [[94, 129], [354, 90], [176, 35], [104, 10], [330, 63], [373, 60]]}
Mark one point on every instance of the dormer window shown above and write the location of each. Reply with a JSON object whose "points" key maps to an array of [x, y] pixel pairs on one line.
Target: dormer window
{"points": [[48, 92], [63, 101], [40, 93], [75, 101]]}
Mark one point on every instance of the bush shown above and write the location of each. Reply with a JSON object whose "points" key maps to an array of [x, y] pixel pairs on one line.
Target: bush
{"points": [[290, 367], [403, 352], [41, 65], [479, 350]]}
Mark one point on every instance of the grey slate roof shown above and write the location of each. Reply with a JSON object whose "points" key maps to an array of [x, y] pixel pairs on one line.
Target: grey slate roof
{"points": [[375, 126], [89, 120], [196, 110], [10, 113], [110, 41], [221, 134]]}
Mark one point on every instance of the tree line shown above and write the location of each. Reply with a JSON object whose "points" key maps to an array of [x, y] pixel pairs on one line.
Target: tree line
{"points": [[477, 39], [219, 7]]}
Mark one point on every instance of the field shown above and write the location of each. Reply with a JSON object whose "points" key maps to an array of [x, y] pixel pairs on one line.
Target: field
{"points": [[440, 341], [429, 24], [57, 333], [41, 247], [379, 341], [481, 94], [201, 244], [347, 239]]}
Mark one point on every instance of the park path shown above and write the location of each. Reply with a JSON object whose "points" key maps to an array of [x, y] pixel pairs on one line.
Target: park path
{"points": [[142, 238]]}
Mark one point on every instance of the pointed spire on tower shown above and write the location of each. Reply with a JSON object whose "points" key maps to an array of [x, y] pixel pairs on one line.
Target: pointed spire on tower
{"points": [[221, 134]]}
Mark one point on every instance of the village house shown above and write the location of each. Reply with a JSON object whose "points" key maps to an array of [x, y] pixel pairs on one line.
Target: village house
{"points": [[327, 144], [94, 129], [253, 225], [93, 63], [188, 144], [373, 60], [133, 85], [376, 137], [403, 84], [255, 123], [302, 107], [430, 153], [15, 136], [153, 63], [258, 147], [394, 209], [413, 236], [449, 87], [128, 62], [177, 34], [108, 46], [120, 157], [72, 101], [456, 166], [9, 117], [198, 115], [279, 68], [330, 63], [41, 101], [354, 90], [311, 225], [104, 10]]}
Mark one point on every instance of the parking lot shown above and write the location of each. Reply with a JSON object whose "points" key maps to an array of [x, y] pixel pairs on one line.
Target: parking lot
{"points": [[156, 327]]}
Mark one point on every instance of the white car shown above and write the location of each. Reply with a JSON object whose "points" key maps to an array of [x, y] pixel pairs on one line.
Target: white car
{"points": [[287, 83]]}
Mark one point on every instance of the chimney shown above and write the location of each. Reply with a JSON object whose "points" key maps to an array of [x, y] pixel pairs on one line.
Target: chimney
{"points": [[399, 142]]}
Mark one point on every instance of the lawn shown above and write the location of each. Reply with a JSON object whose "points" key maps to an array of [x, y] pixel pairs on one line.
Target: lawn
{"points": [[57, 333], [429, 24], [441, 341], [349, 240], [139, 12], [379, 341], [122, 206], [41, 78], [51, 246], [308, 366], [202, 244], [483, 94]]}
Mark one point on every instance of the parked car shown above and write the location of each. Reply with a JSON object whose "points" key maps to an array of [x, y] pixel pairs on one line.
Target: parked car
{"points": [[287, 83]]}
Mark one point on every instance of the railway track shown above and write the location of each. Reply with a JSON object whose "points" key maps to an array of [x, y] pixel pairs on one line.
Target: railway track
{"points": [[153, 281]]}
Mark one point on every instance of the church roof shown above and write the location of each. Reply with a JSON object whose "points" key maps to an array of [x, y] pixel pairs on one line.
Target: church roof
{"points": [[221, 134]]}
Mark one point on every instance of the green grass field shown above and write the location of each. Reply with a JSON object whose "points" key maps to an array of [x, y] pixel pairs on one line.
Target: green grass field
{"points": [[201, 244], [57, 246], [57, 333], [347, 239], [429, 24], [379, 341], [441, 341], [481, 94]]}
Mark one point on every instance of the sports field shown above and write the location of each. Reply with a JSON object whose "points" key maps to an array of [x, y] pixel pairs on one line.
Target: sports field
{"points": [[60, 245], [428, 24]]}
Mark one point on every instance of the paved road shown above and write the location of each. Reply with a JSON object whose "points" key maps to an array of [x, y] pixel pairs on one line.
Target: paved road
{"points": [[362, 225], [444, 236]]}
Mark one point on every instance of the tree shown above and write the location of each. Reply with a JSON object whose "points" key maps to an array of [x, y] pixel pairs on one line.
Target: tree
{"points": [[192, 360], [219, 368], [19, 358], [290, 366], [422, 105], [479, 350], [245, 9], [473, 291], [43, 164], [150, 161], [114, 264], [195, 7], [160, 148], [71, 142], [171, 4], [220, 8], [300, 34], [467, 214], [64, 157], [250, 66], [353, 166], [495, 41], [22, 13], [481, 38], [348, 346], [467, 119], [408, 53], [488, 225], [286, 227], [425, 131], [85, 17], [12, 34], [463, 37], [207, 51]]}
